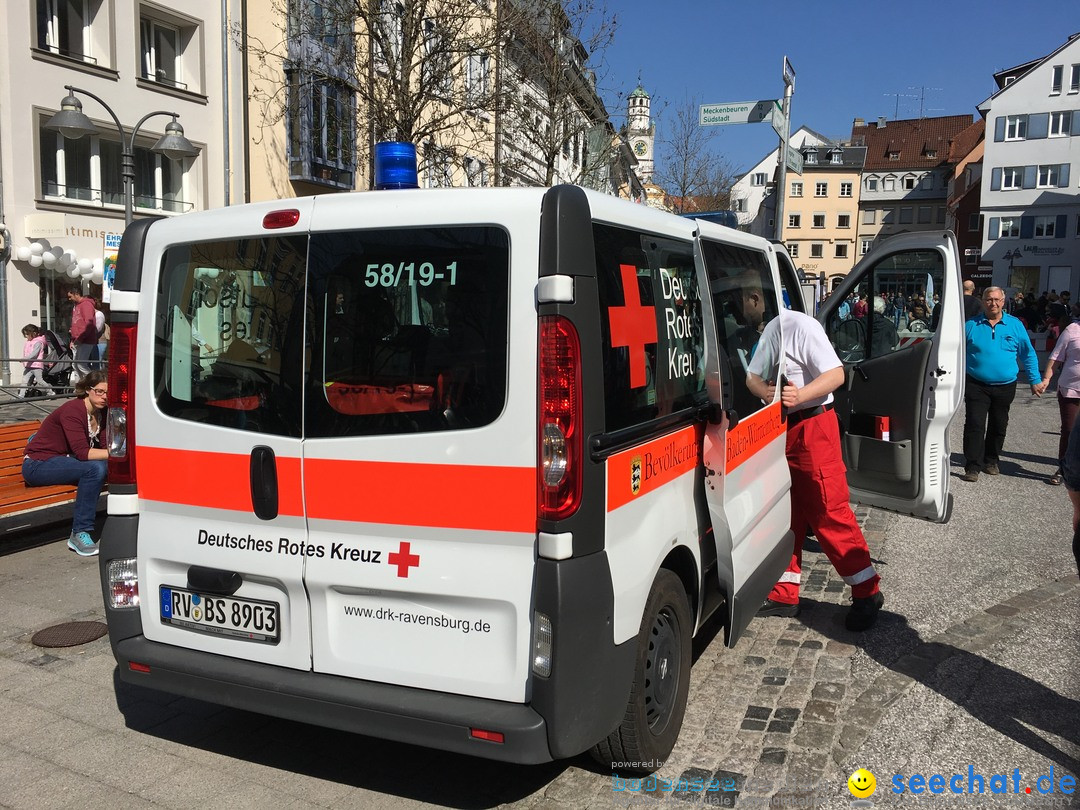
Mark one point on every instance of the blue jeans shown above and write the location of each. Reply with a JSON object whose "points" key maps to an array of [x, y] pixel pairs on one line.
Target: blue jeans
{"points": [[89, 475]]}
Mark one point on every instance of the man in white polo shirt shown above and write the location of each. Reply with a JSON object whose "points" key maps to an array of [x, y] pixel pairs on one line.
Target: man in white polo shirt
{"points": [[819, 490]]}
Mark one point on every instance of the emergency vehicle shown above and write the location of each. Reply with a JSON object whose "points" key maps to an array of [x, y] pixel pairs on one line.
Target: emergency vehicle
{"points": [[469, 468]]}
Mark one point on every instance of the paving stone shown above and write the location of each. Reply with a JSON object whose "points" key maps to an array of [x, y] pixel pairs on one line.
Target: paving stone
{"points": [[780, 726], [758, 712], [815, 735], [812, 644], [754, 661], [820, 711], [840, 649], [753, 725], [788, 713]]}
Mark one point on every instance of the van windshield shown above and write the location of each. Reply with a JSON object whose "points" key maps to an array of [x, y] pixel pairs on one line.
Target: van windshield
{"points": [[409, 330]]}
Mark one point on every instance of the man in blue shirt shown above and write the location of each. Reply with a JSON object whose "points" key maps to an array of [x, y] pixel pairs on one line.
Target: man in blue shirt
{"points": [[996, 345]]}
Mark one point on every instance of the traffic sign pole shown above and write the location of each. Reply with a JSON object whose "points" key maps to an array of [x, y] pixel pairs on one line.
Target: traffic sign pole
{"points": [[789, 88]]}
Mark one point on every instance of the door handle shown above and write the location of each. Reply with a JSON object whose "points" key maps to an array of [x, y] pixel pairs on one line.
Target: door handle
{"points": [[264, 484], [940, 372]]}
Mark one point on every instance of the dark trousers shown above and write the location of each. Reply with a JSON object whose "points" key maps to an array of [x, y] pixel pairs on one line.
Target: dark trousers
{"points": [[1068, 406], [986, 422]]}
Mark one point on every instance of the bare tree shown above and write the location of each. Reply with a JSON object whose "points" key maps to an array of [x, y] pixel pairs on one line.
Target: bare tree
{"points": [[553, 124], [691, 170], [343, 74]]}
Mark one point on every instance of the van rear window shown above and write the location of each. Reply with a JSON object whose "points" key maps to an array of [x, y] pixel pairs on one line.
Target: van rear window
{"points": [[409, 330], [229, 333], [340, 334]]}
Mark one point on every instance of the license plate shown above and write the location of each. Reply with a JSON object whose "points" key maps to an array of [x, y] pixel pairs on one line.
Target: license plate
{"points": [[246, 619]]}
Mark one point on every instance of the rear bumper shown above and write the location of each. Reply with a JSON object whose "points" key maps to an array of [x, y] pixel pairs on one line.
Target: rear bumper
{"points": [[580, 704], [404, 714]]}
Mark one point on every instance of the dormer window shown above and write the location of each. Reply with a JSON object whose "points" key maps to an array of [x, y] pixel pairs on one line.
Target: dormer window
{"points": [[810, 156], [836, 156], [894, 156]]}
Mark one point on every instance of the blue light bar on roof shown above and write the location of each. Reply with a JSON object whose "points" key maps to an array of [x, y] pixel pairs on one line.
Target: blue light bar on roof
{"points": [[395, 165]]}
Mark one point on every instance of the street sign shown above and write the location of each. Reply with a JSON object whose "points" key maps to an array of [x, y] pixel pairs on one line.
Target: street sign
{"points": [[735, 112], [789, 74], [778, 120], [794, 159]]}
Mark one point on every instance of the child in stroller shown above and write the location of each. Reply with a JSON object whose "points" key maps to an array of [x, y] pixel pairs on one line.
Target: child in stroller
{"points": [[56, 363]]}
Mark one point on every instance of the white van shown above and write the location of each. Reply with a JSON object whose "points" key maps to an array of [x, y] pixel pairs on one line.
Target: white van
{"points": [[469, 468]]}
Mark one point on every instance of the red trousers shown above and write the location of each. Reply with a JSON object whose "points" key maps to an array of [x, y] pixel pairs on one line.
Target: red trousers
{"points": [[819, 501]]}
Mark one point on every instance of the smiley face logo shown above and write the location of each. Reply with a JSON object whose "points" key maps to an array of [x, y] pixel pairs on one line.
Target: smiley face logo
{"points": [[862, 784]]}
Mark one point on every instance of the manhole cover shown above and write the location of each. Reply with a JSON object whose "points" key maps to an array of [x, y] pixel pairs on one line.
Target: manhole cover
{"points": [[69, 634]]}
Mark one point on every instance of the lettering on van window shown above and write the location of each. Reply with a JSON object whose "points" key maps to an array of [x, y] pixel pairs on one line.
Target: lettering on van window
{"points": [[753, 433], [409, 274], [680, 325], [403, 559]]}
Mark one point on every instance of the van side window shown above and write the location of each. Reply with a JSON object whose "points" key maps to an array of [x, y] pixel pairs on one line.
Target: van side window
{"points": [[744, 300], [409, 330], [229, 331], [650, 323], [895, 305]]}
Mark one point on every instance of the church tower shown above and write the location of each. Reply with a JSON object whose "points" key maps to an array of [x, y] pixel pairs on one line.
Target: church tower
{"points": [[640, 132]]}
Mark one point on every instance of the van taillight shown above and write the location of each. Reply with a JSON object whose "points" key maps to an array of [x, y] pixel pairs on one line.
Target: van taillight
{"points": [[121, 422], [560, 418]]}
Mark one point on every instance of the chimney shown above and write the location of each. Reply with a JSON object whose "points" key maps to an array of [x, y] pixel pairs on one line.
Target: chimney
{"points": [[859, 122], [881, 121]]}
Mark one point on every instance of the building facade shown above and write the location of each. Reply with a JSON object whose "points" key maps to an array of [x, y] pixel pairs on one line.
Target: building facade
{"points": [[749, 192], [821, 210], [964, 217], [62, 197], [906, 175], [1029, 199]]}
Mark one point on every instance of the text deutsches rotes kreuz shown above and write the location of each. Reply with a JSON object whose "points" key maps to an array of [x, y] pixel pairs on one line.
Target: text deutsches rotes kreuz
{"points": [[679, 324]]}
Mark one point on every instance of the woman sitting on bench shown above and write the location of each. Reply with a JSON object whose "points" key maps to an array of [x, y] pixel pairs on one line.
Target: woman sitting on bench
{"points": [[67, 449]]}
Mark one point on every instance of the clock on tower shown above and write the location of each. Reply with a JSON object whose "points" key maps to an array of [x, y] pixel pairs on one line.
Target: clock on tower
{"points": [[640, 148]]}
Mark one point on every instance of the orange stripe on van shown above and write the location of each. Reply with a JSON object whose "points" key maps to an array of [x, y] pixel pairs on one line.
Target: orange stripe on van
{"points": [[453, 496], [212, 480], [641, 469], [753, 433]]}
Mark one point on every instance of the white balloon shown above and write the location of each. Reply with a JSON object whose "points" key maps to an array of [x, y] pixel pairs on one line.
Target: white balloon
{"points": [[48, 259], [35, 261], [36, 248], [98, 275], [73, 272], [23, 254], [68, 258], [86, 273], [84, 265]]}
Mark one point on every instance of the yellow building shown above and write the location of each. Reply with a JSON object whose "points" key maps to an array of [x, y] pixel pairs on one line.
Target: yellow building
{"points": [[821, 210]]}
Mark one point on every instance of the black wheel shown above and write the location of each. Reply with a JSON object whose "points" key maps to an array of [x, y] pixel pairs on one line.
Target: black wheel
{"points": [[654, 712]]}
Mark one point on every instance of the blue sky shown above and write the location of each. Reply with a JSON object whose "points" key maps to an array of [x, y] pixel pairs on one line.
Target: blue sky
{"points": [[849, 57]]}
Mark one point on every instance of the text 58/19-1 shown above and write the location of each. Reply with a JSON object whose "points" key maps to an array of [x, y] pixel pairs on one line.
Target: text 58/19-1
{"points": [[409, 274]]}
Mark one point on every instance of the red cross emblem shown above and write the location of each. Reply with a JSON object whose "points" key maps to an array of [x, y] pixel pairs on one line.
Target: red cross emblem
{"points": [[403, 559], [633, 325]]}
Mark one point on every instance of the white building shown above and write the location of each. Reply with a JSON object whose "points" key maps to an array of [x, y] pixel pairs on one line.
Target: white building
{"points": [[62, 200], [750, 190], [1031, 168]]}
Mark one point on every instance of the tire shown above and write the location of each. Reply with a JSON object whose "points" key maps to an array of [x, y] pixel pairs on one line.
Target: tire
{"points": [[654, 712]]}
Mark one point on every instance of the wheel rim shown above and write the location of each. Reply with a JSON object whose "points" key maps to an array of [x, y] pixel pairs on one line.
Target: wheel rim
{"points": [[662, 665]]}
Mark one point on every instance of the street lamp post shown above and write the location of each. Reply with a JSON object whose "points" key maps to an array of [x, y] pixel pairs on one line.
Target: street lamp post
{"points": [[72, 123]]}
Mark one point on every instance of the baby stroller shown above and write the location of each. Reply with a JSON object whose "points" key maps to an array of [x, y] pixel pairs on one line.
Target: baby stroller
{"points": [[57, 366]]}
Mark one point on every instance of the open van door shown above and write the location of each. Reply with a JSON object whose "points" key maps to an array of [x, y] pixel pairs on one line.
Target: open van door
{"points": [[901, 339], [747, 483]]}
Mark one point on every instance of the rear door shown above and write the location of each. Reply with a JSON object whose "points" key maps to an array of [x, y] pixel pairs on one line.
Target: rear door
{"points": [[747, 480], [217, 418], [420, 439], [905, 372]]}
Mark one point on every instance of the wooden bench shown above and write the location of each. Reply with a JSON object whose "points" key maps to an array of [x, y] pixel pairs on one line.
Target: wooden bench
{"points": [[15, 495]]}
